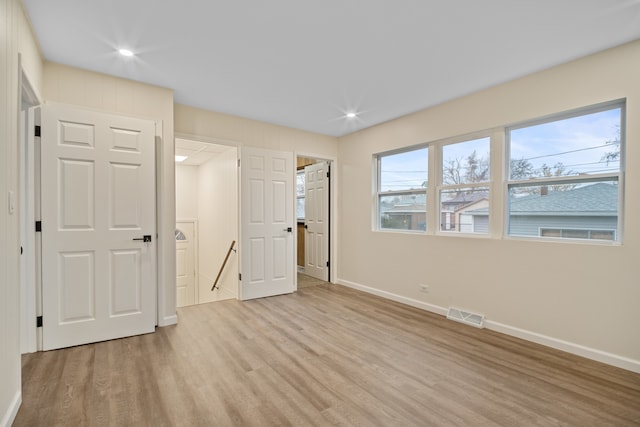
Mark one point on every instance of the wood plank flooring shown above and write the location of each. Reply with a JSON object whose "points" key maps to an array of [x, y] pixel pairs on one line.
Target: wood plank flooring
{"points": [[326, 355]]}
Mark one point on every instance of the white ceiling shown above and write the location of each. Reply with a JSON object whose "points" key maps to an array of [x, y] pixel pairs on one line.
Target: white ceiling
{"points": [[304, 64], [197, 152]]}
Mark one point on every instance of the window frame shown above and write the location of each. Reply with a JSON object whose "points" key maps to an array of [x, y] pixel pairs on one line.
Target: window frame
{"points": [[378, 194], [618, 176], [441, 186], [499, 183]]}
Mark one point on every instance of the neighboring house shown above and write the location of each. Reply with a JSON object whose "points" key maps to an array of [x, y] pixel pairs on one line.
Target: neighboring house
{"points": [[588, 212], [450, 210], [405, 213]]}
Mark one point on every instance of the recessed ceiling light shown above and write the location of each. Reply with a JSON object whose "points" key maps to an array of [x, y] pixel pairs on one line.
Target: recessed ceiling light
{"points": [[351, 115], [181, 158], [125, 52]]}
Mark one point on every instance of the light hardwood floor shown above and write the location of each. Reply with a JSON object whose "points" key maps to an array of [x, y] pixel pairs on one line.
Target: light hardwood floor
{"points": [[326, 355]]}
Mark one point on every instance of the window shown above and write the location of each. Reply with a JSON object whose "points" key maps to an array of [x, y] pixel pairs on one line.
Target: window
{"points": [[402, 190], [564, 175], [300, 188], [464, 189], [578, 234]]}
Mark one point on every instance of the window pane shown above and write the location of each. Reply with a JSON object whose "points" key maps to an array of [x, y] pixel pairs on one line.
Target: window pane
{"points": [[602, 234], [300, 208], [587, 144], [406, 212], [465, 162], [404, 171], [568, 208], [465, 210], [300, 184]]}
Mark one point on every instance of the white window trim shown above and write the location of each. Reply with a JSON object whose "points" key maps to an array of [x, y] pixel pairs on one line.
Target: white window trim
{"points": [[440, 186], [619, 176], [377, 220]]}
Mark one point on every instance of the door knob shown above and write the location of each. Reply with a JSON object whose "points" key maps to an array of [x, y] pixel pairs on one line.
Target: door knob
{"points": [[146, 238], [288, 229]]}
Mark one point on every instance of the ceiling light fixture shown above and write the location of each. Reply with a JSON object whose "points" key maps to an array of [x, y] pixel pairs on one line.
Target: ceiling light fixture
{"points": [[351, 115], [181, 158], [125, 52]]}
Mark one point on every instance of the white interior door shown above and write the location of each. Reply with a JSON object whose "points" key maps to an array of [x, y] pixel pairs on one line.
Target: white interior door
{"points": [[185, 263], [267, 221], [316, 214], [98, 197]]}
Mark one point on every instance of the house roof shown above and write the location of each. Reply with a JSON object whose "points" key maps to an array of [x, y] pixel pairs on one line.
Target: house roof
{"points": [[466, 198], [590, 200]]}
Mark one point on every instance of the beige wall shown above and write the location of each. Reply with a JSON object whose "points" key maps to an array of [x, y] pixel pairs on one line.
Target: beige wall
{"points": [[252, 133], [16, 40], [218, 226], [563, 294], [186, 191], [100, 92]]}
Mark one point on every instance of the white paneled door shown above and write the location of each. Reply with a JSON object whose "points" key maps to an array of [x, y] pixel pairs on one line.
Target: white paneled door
{"points": [[316, 214], [185, 263], [98, 226], [267, 221]]}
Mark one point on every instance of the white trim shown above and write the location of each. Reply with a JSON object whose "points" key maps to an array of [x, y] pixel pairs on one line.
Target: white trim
{"points": [[569, 347], [12, 410], [394, 297], [558, 344], [168, 320]]}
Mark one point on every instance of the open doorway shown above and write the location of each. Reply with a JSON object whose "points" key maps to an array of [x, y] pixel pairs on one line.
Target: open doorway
{"points": [[30, 306], [206, 221], [313, 208]]}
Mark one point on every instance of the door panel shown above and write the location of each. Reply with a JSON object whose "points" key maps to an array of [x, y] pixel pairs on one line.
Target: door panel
{"points": [[317, 221], [185, 263], [98, 195], [267, 220]]}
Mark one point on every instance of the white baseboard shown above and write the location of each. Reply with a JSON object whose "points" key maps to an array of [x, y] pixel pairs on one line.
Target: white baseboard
{"points": [[12, 410], [577, 349], [394, 297], [569, 347], [168, 320]]}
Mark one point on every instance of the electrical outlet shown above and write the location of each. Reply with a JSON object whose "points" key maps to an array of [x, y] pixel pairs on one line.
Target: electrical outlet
{"points": [[423, 288]]}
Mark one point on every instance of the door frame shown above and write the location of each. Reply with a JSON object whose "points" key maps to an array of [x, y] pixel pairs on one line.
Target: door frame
{"points": [[332, 198], [29, 277], [238, 146]]}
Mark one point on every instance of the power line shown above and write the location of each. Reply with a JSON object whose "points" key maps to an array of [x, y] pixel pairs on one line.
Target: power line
{"points": [[565, 152]]}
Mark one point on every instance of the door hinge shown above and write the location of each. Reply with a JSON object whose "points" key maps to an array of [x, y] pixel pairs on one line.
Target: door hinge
{"points": [[327, 263], [38, 226], [21, 250], [240, 276], [328, 175], [37, 131], [238, 162], [39, 322]]}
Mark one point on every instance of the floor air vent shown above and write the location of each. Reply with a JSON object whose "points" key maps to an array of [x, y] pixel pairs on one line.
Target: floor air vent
{"points": [[462, 316]]}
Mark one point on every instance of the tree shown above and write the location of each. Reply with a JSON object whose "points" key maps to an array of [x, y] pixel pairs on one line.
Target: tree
{"points": [[520, 169], [466, 170], [613, 156], [451, 172], [557, 170], [477, 168]]}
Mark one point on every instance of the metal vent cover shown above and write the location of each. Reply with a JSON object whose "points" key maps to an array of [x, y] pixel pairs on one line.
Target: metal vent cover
{"points": [[466, 317]]}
